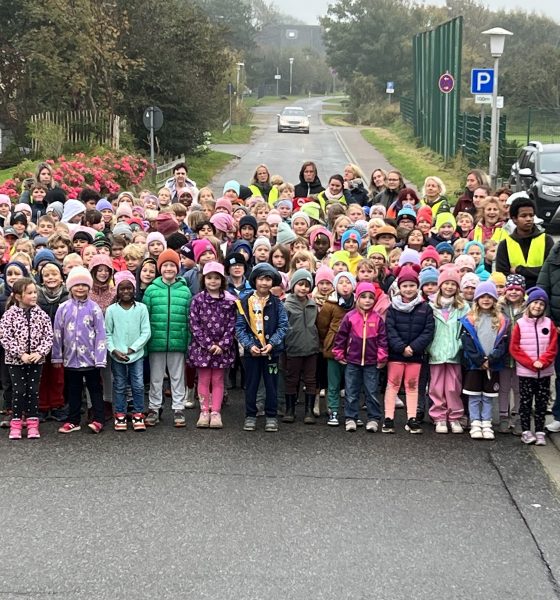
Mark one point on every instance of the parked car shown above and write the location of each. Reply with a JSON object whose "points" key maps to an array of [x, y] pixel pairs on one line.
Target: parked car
{"points": [[293, 118], [537, 172]]}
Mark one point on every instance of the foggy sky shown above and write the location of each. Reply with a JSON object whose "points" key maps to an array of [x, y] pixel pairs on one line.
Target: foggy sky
{"points": [[309, 10]]}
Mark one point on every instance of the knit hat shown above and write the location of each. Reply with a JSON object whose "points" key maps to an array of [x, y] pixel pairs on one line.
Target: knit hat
{"points": [[235, 258], [262, 241], [445, 218], [24, 208], [123, 229], [155, 236], [469, 280], [465, 261], [348, 276], [200, 247], [361, 227], [324, 273], [285, 235], [377, 208], [166, 224], [378, 249], [301, 215], [77, 276], [409, 256], [301, 275], [408, 273], [222, 222], [350, 234], [104, 204], [248, 220], [263, 269], [485, 288], [536, 293], [40, 240], [102, 242], [153, 198], [232, 185], [273, 218], [406, 213], [365, 286], [284, 203], [5, 199], [474, 243], [240, 207], [339, 256], [430, 252], [169, 256], [498, 278], [445, 247], [449, 272], [312, 210], [428, 275], [319, 230], [242, 245], [72, 208], [57, 195], [125, 195], [224, 203], [57, 208], [515, 281], [176, 241], [186, 251], [80, 234], [101, 259], [124, 210], [424, 214], [386, 230], [213, 267], [19, 217], [124, 276], [45, 255]]}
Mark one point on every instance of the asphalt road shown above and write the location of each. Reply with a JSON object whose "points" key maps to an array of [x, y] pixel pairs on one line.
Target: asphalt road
{"points": [[308, 513]]}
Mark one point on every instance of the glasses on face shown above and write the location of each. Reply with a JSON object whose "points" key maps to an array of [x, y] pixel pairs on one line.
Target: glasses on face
{"points": [[392, 180]]}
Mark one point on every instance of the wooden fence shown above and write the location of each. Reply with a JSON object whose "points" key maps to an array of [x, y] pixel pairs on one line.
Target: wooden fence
{"points": [[84, 126]]}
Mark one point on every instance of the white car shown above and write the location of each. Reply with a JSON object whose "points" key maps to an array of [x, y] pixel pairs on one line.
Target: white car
{"points": [[293, 118]]}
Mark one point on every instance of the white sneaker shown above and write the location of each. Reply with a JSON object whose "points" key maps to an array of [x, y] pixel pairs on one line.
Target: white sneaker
{"points": [[322, 393], [399, 403], [372, 426], [553, 427], [456, 427], [441, 427], [350, 425], [476, 430], [487, 431]]}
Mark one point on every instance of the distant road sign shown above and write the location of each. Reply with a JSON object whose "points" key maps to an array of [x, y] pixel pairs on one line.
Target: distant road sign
{"points": [[483, 99], [446, 83], [157, 118], [482, 81], [390, 88]]}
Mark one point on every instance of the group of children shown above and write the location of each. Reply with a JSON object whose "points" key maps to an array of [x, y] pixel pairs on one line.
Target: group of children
{"points": [[316, 293]]}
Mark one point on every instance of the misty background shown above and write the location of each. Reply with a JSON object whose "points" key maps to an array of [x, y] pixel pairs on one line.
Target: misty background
{"points": [[310, 10]]}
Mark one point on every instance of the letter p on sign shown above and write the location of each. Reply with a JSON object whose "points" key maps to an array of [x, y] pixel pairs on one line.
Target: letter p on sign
{"points": [[482, 81]]}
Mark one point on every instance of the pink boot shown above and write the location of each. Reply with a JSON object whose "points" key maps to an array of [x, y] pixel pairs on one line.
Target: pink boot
{"points": [[15, 429], [33, 428]]}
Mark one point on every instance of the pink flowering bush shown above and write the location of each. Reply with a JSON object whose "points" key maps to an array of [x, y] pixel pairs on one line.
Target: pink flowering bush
{"points": [[108, 172]]}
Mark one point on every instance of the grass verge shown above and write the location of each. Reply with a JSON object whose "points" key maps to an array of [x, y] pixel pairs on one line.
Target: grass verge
{"points": [[238, 134], [7, 174], [205, 166], [336, 121], [399, 147]]}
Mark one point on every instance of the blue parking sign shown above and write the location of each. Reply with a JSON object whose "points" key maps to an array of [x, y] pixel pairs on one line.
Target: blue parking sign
{"points": [[482, 81]]}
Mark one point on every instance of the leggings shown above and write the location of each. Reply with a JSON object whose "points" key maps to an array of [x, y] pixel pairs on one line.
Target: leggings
{"points": [[396, 372], [211, 379], [508, 383], [25, 390], [529, 388]]}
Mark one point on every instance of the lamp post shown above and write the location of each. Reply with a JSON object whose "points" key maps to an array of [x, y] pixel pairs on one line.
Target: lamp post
{"points": [[239, 66], [291, 68], [497, 41]]}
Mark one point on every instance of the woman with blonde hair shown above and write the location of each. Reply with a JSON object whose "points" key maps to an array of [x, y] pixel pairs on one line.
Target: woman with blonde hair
{"points": [[355, 185], [260, 182], [433, 193]]}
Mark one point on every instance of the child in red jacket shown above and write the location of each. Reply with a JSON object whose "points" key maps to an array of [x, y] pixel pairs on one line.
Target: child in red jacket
{"points": [[534, 344], [361, 345]]}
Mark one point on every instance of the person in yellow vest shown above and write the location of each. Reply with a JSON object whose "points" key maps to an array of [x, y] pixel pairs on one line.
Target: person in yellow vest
{"points": [[489, 226], [525, 250], [260, 183]]}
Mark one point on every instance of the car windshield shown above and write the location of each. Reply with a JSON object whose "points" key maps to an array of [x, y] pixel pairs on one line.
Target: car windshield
{"points": [[293, 112], [550, 162]]}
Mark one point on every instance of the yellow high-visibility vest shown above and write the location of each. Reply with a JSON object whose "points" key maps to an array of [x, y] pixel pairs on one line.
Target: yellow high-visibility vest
{"points": [[498, 235], [536, 252]]}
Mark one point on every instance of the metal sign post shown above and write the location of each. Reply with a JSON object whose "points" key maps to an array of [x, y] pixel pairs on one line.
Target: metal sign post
{"points": [[446, 84], [153, 121]]}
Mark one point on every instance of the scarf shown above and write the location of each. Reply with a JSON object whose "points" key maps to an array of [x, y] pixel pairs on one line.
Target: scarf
{"points": [[406, 307], [346, 303], [332, 197], [50, 297]]}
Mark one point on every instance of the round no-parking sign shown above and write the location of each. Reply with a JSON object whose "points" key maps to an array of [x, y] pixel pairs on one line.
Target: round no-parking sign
{"points": [[446, 83]]}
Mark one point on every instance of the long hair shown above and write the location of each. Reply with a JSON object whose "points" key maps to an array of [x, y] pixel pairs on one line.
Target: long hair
{"points": [[17, 289], [458, 301], [254, 178], [495, 313]]}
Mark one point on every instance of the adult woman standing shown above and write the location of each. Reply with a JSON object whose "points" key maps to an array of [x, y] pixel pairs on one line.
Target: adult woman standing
{"points": [[260, 183], [394, 183], [377, 183], [489, 222], [309, 182], [475, 179], [334, 194], [354, 184], [433, 193]]}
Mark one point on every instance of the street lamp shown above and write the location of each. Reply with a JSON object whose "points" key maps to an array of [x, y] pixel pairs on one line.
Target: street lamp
{"points": [[291, 67], [497, 42], [239, 65]]}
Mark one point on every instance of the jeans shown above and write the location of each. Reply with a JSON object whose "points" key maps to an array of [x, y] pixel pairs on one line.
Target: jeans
{"points": [[480, 408], [556, 407], [255, 368], [122, 372], [356, 377], [74, 381]]}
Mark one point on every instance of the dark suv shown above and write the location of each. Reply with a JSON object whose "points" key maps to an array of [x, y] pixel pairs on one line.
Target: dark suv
{"points": [[537, 172]]}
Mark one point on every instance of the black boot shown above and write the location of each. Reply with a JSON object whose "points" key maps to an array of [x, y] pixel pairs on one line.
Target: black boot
{"points": [[309, 418], [290, 412]]}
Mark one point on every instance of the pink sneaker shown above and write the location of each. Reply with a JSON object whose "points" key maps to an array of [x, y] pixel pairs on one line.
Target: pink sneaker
{"points": [[15, 429], [33, 428], [96, 426], [68, 428]]}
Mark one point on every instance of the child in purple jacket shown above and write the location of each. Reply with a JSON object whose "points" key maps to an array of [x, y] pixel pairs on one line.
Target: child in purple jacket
{"points": [[361, 344], [80, 345]]}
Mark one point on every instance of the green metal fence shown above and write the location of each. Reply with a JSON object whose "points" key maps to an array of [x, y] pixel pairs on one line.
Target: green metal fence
{"points": [[435, 53], [407, 109], [526, 124]]}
